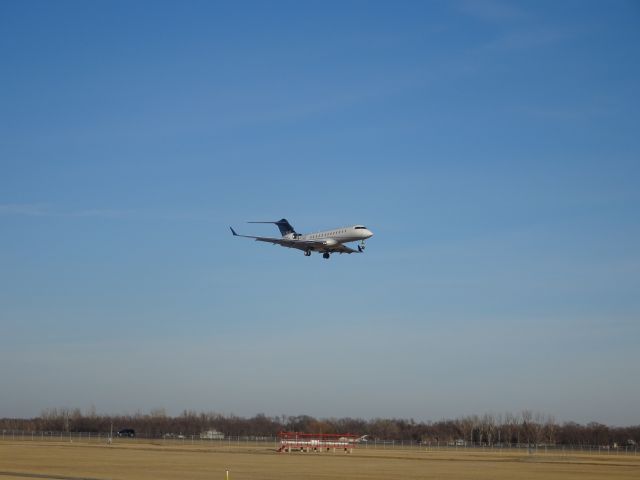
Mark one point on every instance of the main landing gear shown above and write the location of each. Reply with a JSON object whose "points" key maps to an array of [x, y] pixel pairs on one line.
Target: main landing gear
{"points": [[326, 255]]}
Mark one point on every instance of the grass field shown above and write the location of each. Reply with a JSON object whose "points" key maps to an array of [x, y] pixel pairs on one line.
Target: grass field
{"points": [[157, 460]]}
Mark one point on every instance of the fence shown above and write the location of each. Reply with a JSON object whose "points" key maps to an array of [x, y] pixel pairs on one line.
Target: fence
{"points": [[274, 442]]}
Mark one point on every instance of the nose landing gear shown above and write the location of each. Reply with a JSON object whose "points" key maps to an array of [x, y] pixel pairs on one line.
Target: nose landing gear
{"points": [[307, 253], [361, 246], [326, 255]]}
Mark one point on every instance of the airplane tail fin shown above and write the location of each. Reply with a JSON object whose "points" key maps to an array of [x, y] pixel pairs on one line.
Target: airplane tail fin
{"points": [[284, 226]]}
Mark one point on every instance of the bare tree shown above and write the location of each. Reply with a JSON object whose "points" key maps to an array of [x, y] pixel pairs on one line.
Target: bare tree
{"points": [[534, 429], [526, 426], [550, 428]]}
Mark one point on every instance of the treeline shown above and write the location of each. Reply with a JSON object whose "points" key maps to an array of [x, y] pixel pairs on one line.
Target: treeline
{"points": [[523, 428]]}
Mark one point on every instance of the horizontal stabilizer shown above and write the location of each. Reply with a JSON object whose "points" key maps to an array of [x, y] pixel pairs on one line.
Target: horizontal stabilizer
{"points": [[284, 226]]}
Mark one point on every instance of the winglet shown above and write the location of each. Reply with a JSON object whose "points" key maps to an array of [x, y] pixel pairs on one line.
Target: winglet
{"points": [[233, 231]]}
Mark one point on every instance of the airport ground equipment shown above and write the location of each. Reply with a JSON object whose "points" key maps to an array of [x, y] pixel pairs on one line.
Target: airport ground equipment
{"points": [[317, 442]]}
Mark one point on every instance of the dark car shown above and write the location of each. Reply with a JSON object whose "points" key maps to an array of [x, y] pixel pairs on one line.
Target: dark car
{"points": [[127, 432]]}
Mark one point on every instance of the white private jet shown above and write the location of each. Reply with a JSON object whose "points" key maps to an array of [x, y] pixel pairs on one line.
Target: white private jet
{"points": [[326, 242]]}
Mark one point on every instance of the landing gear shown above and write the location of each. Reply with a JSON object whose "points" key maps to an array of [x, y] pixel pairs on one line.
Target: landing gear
{"points": [[361, 246], [326, 255], [307, 253]]}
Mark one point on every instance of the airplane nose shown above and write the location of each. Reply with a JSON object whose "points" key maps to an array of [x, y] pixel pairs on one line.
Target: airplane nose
{"points": [[369, 233]]}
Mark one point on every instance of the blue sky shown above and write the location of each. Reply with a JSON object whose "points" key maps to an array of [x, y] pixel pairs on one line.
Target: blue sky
{"points": [[492, 147]]}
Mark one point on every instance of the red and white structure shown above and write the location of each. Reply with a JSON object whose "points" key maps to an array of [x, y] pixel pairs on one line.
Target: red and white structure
{"points": [[318, 442]]}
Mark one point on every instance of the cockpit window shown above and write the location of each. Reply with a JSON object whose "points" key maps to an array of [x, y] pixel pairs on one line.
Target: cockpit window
{"points": [[360, 228]]}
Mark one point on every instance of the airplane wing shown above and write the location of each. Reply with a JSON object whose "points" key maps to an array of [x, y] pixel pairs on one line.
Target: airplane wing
{"points": [[276, 241], [315, 245]]}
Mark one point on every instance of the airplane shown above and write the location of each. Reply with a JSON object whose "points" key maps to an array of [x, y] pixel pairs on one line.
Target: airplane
{"points": [[325, 242]]}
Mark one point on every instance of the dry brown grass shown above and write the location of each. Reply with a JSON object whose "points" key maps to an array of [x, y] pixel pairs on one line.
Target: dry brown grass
{"points": [[158, 460]]}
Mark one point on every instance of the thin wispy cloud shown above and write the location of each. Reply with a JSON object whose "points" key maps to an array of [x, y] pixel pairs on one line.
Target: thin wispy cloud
{"points": [[45, 210], [101, 213], [526, 39], [49, 211], [23, 209], [491, 10], [569, 113]]}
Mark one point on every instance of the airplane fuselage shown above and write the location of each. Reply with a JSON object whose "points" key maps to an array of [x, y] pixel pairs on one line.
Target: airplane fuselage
{"points": [[353, 233]]}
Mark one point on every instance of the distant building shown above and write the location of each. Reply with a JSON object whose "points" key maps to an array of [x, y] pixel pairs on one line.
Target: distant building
{"points": [[211, 435]]}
